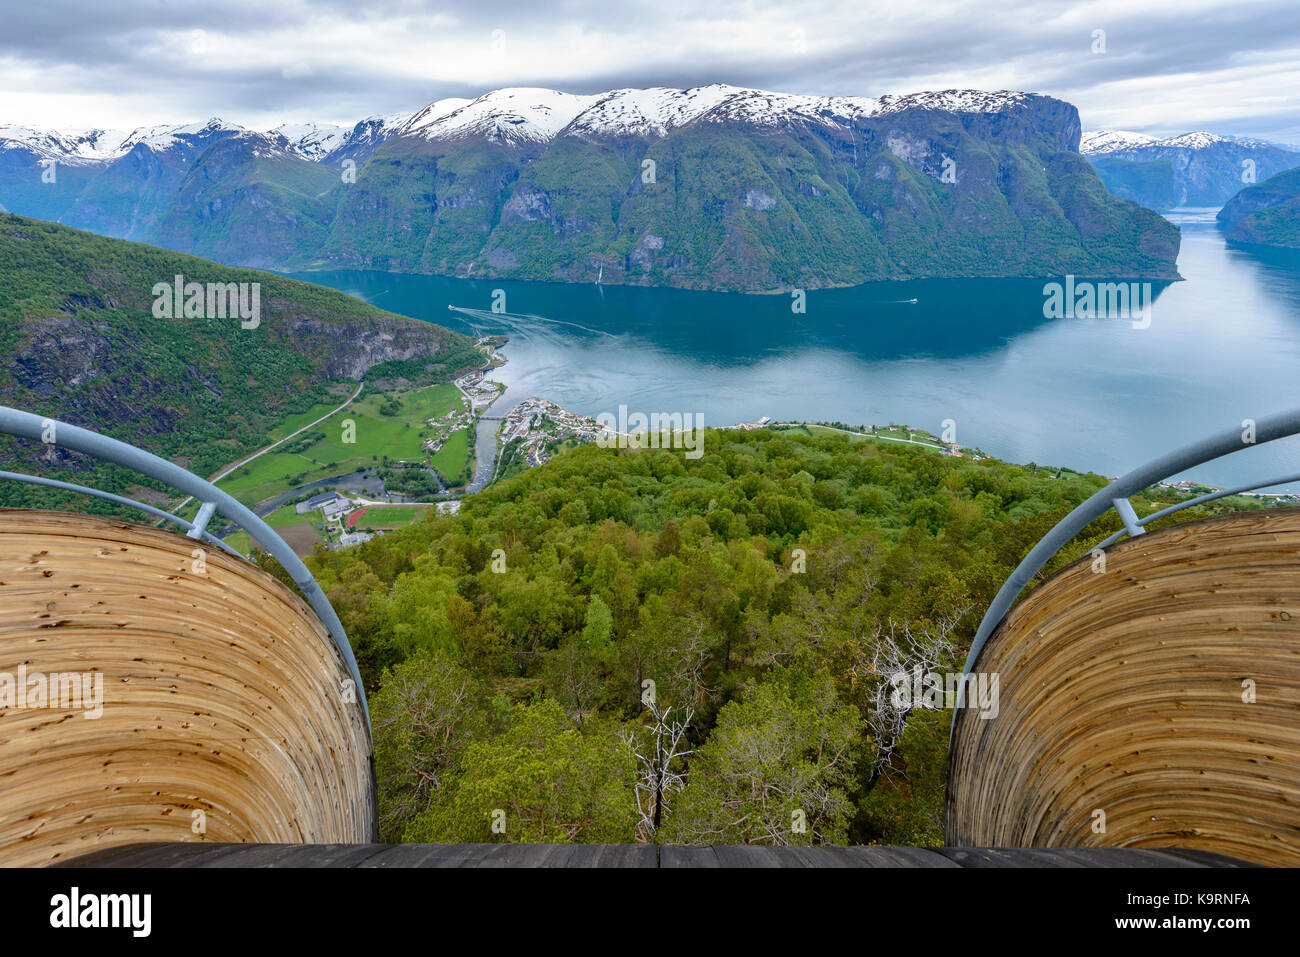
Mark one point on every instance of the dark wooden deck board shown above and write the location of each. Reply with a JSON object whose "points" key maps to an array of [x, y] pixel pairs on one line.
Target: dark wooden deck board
{"points": [[634, 855], [674, 855]]}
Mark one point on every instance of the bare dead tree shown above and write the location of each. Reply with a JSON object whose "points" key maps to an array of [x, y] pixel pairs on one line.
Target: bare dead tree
{"points": [[899, 650], [657, 748]]}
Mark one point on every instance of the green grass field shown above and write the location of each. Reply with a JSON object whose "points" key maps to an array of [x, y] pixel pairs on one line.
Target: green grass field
{"points": [[451, 458], [295, 422], [374, 436], [387, 516]]}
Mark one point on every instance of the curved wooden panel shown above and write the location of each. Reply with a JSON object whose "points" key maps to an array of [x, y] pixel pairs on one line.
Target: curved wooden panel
{"points": [[1122, 692], [221, 694]]}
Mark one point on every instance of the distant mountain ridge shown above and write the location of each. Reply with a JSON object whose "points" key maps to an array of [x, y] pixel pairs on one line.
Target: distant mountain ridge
{"points": [[1193, 169], [516, 114], [716, 187]]}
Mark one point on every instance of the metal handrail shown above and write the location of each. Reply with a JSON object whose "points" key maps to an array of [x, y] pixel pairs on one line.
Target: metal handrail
{"points": [[1199, 500], [120, 500], [54, 432], [1116, 496]]}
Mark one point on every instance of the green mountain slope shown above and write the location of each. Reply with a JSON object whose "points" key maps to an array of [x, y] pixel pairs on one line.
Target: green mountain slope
{"points": [[80, 342], [745, 196], [744, 210], [1267, 214], [240, 205]]}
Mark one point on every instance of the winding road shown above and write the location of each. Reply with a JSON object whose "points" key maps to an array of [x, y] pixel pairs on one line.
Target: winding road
{"points": [[262, 451]]}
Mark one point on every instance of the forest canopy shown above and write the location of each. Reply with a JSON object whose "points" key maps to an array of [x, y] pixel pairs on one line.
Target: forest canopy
{"points": [[628, 645]]}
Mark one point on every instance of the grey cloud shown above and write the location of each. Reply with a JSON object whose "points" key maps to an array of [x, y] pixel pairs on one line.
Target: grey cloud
{"points": [[90, 46]]}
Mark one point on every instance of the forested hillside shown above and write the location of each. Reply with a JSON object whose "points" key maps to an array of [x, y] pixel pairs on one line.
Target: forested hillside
{"points": [[79, 341], [525, 656], [1267, 214]]}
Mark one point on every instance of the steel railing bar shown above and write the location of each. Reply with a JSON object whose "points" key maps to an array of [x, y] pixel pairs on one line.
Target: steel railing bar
{"points": [[54, 432]]}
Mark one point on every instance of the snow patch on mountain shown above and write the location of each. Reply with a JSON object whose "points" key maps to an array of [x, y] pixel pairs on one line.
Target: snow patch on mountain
{"points": [[312, 141], [650, 112], [954, 101], [1112, 141], [512, 115], [69, 146], [1102, 142]]}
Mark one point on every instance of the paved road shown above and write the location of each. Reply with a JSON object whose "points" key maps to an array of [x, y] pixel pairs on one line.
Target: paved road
{"points": [[262, 451], [868, 435]]}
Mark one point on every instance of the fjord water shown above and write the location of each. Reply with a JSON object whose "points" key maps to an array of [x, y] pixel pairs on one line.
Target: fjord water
{"points": [[1092, 394]]}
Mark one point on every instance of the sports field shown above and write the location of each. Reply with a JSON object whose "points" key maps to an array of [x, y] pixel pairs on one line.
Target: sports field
{"points": [[385, 516]]}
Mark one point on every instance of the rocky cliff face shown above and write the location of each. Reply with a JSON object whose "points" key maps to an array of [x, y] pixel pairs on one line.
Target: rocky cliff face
{"points": [[711, 188], [350, 350], [754, 199]]}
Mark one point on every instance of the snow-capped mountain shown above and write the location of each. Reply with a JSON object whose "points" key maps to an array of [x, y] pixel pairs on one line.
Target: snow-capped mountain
{"points": [[312, 141], [160, 138], [79, 146], [105, 146], [523, 115], [717, 187], [1100, 142], [1193, 169], [516, 115]]}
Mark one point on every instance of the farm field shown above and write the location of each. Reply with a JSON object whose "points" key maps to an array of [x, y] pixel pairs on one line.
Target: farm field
{"points": [[322, 452], [281, 519], [295, 422], [451, 459]]}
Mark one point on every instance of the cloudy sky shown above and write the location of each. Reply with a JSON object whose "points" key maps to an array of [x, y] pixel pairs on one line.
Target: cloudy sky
{"points": [[1231, 66]]}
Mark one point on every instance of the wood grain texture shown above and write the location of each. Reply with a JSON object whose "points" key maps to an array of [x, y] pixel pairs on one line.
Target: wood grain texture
{"points": [[222, 693], [1122, 692]]}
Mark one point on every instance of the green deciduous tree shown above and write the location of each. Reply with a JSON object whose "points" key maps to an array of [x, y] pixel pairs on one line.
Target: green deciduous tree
{"points": [[775, 769], [541, 781]]}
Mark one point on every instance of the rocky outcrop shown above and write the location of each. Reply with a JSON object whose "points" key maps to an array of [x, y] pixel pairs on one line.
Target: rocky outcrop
{"points": [[349, 351]]}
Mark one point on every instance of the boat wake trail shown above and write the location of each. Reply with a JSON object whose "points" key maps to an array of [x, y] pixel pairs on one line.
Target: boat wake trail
{"points": [[517, 319]]}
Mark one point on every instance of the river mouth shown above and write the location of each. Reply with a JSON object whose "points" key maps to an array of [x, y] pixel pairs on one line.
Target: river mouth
{"points": [[1093, 394]]}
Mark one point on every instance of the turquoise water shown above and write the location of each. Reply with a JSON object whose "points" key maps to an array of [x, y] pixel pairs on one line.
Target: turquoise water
{"points": [[1092, 394]]}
